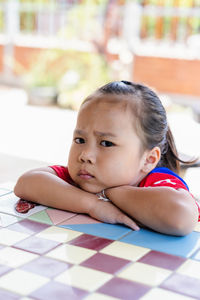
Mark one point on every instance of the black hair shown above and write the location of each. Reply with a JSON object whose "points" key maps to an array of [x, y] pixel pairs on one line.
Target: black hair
{"points": [[151, 119]]}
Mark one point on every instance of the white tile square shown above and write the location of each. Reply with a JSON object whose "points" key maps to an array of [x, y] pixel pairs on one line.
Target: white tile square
{"points": [[58, 234], [22, 282], [14, 258], [6, 220], [84, 278], [126, 251], [145, 274], [71, 254], [190, 268], [10, 237]]}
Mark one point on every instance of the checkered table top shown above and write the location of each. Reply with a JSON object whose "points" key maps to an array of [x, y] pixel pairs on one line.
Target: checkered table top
{"points": [[53, 254]]}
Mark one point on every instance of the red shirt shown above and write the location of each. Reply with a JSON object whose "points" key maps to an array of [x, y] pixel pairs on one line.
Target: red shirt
{"points": [[157, 177], [163, 177], [63, 173]]}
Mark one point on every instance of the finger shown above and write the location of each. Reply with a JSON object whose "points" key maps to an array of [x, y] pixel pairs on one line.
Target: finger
{"points": [[129, 222]]}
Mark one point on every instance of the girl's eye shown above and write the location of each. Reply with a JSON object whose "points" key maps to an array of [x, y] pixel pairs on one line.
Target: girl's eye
{"points": [[106, 144], [79, 140]]}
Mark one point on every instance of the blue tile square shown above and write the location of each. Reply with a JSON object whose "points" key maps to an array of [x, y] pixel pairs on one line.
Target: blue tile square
{"points": [[182, 246], [108, 231]]}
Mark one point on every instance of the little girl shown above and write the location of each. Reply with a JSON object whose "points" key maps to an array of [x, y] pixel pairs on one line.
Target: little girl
{"points": [[122, 165]]}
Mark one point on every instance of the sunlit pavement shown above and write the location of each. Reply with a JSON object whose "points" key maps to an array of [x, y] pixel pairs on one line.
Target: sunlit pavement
{"points": [[44, 134], [35, 132]]}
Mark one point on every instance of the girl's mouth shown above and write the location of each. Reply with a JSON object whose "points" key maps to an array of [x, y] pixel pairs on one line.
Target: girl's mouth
{"points": [[85, 175]]}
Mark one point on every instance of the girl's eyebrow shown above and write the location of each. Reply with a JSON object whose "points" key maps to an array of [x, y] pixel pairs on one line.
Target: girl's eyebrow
{"points": [[99, 133], [105, 134], [79, 132]]}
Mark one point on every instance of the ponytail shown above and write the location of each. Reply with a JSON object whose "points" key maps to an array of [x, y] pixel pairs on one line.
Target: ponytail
{"points": [[169, 157]]}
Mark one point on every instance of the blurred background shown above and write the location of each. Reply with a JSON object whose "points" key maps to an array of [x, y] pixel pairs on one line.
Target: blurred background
{"points": [[54, 53]]}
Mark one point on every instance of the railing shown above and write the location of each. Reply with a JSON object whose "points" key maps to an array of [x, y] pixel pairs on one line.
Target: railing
{"points": [[174, 23], [169, 20], [167, 26], [46, 19], [53, 24]]}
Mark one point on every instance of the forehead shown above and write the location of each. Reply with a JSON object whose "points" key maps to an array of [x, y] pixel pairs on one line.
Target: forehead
{"points": [[106, 116], [115, 99], [108, 102], [104, 107]]}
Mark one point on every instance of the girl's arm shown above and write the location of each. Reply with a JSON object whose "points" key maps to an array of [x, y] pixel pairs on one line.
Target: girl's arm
{"points": [[43, 186], [162, 209]]}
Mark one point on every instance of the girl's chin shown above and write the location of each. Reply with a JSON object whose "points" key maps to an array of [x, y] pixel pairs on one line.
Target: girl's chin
{"points": [[91, 190]]}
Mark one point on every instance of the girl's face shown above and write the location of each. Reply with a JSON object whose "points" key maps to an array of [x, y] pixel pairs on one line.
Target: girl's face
{"points": [[106, 151]]}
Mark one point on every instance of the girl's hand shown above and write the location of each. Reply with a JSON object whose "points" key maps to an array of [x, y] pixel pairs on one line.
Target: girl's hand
{"points": [[109, 213]]}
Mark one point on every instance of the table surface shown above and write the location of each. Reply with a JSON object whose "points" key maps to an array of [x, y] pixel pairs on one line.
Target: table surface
{"points": [[53, 254], [11, 167]]}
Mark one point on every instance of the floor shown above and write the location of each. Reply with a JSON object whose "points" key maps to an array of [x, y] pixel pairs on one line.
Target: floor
{"points": [[53, 254]]}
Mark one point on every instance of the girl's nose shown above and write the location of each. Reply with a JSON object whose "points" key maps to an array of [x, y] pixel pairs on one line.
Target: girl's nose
{"points": [[87, 157]]}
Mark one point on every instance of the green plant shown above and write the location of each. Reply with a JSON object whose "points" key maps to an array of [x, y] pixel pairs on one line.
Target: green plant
{"points": [[46, 69], [86, 71], [73, 73]]}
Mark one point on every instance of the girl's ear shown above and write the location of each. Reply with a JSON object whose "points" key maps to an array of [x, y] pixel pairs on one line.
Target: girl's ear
{"points": [[151, 159]]}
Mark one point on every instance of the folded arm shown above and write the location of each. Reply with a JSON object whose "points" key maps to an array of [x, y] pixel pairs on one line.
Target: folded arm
{"points": [[43, 186], [162, 209]]}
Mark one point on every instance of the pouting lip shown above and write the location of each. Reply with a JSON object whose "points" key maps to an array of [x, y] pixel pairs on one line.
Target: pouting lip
{"points": [[84, 173]]}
